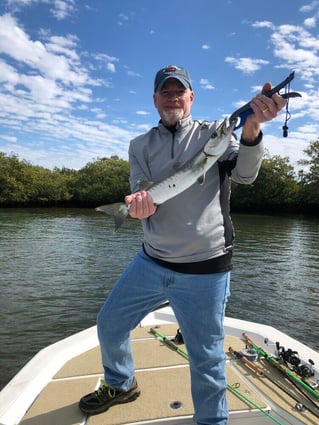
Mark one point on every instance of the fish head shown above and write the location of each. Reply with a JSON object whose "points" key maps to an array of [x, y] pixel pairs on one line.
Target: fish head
{"points": [[220, 139]]}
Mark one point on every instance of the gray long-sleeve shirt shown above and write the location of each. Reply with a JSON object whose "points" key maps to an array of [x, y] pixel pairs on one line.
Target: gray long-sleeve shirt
{"points": [[195, 225]]}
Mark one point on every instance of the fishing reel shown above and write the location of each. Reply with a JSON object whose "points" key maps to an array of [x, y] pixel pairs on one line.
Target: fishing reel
{"points": [[250, 354], [293, 362], [305, 371], [290, 358], [178, 339]]}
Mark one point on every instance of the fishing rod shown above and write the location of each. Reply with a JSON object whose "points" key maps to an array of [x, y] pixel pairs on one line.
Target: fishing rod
{"points": [[294, 364], [234, 390], [259, 372], [170, 343], [271, 359], [252, 403]]}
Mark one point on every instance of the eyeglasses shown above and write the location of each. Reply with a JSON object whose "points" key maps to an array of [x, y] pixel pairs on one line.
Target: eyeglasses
{"points": [[173, 93]]}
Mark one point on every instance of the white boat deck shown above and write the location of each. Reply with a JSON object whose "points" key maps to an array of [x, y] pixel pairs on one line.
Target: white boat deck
{"points": [[162, 375]]}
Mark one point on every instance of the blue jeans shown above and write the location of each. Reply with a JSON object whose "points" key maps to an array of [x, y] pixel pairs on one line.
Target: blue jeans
{"points": [[198, 302]]}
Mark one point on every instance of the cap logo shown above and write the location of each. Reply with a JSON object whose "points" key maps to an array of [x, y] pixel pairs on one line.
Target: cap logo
{"points": [[171, 69]]}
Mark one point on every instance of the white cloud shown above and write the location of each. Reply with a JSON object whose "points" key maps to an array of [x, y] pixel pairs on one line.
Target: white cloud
{"points": [[17, 4], [292, 147], [62, 45], [205, 84], [53, 60], [262, 24], [298, 49], [122, 19], [48, 91], [111, 67], [102, 57], [133, 74], [60, 9], [142, 113], [246, 65], [310, 22], [11, 139], [205, 46], [309, 7]]}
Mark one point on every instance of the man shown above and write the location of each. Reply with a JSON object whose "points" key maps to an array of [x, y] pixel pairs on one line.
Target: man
{"points": [[187, 250]]}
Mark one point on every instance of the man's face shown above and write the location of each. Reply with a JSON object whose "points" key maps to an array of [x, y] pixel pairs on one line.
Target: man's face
{"points": [[173, 102]]}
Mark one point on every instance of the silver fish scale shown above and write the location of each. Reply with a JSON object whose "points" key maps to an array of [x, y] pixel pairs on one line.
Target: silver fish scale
{"points": [[195, 168]]}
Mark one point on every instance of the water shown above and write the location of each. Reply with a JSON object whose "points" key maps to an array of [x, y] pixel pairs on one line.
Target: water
{"points": [[57, 267], [275, 279]]}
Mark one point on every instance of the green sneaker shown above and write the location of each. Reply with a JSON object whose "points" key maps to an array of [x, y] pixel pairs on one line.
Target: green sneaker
{"points": [[105, 397]]}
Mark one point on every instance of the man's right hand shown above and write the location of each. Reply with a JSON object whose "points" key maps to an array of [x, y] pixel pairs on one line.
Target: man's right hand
{"points": [[141, 205]]}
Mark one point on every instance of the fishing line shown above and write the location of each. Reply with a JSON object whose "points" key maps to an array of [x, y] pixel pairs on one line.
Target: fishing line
{"points": [[288, 114]]}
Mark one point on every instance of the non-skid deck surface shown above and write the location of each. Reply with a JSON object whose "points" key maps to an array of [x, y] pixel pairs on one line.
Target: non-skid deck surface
{"points": [[162, 375], [271, 389]]}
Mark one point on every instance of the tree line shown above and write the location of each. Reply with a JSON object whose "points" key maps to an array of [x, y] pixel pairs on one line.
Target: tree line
{"points": [[278, 188], [23, 184]]}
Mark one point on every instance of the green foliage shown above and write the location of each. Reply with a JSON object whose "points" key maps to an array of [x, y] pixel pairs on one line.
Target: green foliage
{"points": [[22, 184], [102, 182], [309, 178], [312, 175], [275, 188], [106, 180]]}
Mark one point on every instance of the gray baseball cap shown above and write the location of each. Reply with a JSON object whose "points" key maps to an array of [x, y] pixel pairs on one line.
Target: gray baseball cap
{"points": [[172, 71]]}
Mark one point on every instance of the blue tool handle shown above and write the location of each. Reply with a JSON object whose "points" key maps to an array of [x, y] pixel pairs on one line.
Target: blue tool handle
{"points": [[242, 113]]}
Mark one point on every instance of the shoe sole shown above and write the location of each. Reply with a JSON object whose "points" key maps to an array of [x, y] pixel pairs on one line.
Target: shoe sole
{"points": [[131, 397]]}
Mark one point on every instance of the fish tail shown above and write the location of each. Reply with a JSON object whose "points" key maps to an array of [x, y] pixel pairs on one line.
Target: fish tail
{"points": [[120, 216], [118, 210]]}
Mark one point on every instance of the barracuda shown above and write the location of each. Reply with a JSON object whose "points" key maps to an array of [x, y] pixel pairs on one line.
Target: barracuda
{"points": [[191, 172], [195, 169]]}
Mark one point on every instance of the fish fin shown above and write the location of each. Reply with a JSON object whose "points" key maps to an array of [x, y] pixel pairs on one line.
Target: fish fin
{"points": [[118, 210], [118, 221], [201, 179], [110, 209]]}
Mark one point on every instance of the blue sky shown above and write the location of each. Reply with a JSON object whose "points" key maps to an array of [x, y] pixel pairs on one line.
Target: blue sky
{"points": [[76, 76]]}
